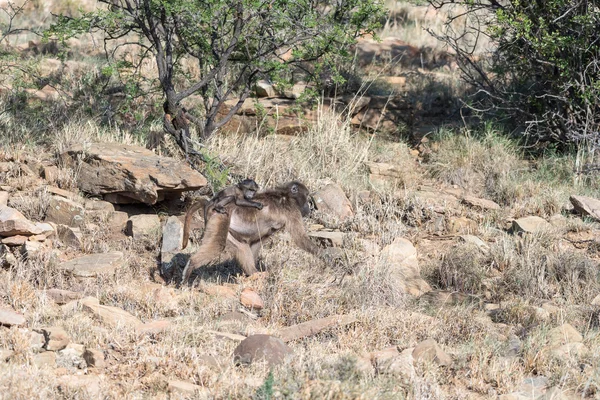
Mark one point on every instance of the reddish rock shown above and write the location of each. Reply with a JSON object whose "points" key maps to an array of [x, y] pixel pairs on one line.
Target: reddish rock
{"points": [[249, 298], [261, 347]]}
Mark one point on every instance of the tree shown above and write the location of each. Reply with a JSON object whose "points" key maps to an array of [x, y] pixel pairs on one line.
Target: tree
{"points": [[234, 43], [543, 68]]}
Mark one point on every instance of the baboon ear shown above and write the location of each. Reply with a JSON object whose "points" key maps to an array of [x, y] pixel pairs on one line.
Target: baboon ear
{"points": [[294, 189]]}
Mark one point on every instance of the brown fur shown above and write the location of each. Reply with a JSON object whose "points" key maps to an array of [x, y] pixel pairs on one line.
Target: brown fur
{"points": [[247, 228], [241, 194]]}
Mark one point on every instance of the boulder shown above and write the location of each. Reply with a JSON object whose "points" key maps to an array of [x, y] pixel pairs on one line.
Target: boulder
{"points": [[261, 347], [12, 223], [66, 212], [69, 236], [56, 338], [12, 241], [94, 264], [401, 256], [142, 225], [332, 200], [587, 206], [131, 171]]}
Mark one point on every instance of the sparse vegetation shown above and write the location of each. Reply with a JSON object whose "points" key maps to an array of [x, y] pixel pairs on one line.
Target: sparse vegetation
{"points": [[514, 309]]}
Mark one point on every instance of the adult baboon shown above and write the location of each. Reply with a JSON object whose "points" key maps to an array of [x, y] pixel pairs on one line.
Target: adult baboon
{"points": [[242, 194], [247, 228]]}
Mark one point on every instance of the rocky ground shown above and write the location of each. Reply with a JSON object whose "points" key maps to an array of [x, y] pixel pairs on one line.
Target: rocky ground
{"points": [[439, 293]]}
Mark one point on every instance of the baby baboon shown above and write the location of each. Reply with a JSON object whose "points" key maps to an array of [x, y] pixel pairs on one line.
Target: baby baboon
{"points": [[247, 228], [241, 194]]}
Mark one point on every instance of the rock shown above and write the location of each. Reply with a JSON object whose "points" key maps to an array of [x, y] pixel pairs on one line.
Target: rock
{"points": [[401, 255], [117, 220], [62, 296], [99, 205], [50, 173], [220, 291], [37, 341], [70, 236], [430, 351], [587, 206], [17, 240], [131, 171], [94, 264], [111, 316], [88, 384], [484, 204], [56, 338], [250, 299], [557, 393], [62, 193], [531, 224], [551, 308], [264, 89], [47, 229], [66, 212], [3, 198], [11, 318], [364, 365], [576, 349], [476, 241], [533, 386], [172, 235], [462, 225], [312, 327], [45, 359], [514, 396], [29, 249], [261, 347], [94, 358], [186, 389], [332, 200], [331, 238], [596, 300], [564, 334], [400, 366], [153, 327], [384, 169], [433, 198], [142, 225], [12, 223]]}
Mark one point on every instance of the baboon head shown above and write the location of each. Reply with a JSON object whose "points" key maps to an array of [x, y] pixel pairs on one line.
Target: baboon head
{"points": [[300, 194], [249, 188]]}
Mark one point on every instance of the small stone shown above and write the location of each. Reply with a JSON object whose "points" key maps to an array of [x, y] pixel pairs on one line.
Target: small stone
{"points": [[533, 386], [430, 351], [50, 173], [462, 225], [11, 318], [476, 241], [63, 296], [111, 316], [29, 249], [94, 264], [383, 169], [261, 347], [183, 388], [66, 212], [250, 299], [531, 224], [142, 225], [56, 338], [564, 334], [94, 358], [70, 236], [47, 358], [481, 203], [220, 291], [331, 238], [153, 327], [264, 89]]}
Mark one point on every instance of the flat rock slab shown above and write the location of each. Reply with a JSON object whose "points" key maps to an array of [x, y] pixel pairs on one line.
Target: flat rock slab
{"points": [[12, 223], [112, 316], [335, 238], [586, 206], [484, 204], [131, 171], [10, 317], [531, 224], [94, 264], [61, 296]]}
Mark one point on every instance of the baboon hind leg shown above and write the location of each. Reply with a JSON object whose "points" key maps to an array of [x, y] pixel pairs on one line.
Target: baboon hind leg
{"points": [[243, 255], [212, 244]]}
